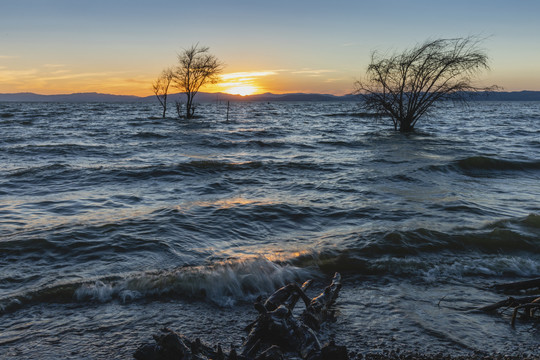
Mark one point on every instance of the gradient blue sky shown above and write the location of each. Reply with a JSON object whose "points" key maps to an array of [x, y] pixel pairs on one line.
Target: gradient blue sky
{"points": [[120, 46]]}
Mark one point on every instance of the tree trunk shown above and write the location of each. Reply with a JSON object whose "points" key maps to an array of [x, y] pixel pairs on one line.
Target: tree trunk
{"points": [[164, 107], [189, 104], [405, 126], [188, 108]]}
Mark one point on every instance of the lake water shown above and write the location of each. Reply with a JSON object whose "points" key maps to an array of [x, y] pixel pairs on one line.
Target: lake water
{"points": [[115, 223]]}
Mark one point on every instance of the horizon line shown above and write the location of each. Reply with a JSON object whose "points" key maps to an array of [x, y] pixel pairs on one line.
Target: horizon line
{"points": [[220, 93]]}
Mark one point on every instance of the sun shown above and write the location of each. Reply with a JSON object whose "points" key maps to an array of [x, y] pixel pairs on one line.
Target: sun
{"points": [[241, 90]]}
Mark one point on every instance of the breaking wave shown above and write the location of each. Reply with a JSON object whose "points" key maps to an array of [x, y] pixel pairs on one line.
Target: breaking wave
{"points": [[223, 284]]}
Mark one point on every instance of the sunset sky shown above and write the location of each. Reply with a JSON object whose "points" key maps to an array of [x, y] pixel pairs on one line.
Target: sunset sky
{"points": [[121, 46]]}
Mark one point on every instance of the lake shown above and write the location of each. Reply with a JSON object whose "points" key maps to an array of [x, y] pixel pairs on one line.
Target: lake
{"points": [[115, 223]]}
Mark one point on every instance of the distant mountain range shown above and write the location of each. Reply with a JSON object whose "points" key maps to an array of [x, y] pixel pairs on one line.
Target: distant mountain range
{"points": [[221, 97], [200, 97]]}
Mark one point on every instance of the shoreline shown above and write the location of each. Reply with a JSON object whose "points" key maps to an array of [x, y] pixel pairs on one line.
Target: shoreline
{"points": [[419, 356]]}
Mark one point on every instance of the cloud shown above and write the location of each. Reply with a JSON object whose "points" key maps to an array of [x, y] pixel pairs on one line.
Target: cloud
{"points": [[144, 81], [331, 80], [247, 75], [313, 72], [17, 75], [55, 79], [78, 76], [54, 65], [43, 76]]}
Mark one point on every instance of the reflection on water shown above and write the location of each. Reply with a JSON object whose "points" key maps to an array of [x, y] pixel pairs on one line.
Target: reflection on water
{"points": [[224, 203]]}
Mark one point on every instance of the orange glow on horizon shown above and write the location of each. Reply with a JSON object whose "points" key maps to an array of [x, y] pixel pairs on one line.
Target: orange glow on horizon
{"points": [[242, 90], [241, 83], [59, 78]]}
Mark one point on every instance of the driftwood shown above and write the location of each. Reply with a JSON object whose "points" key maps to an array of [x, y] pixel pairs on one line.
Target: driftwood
{"points": [[527, 304], [172, 346], [275, 332]]}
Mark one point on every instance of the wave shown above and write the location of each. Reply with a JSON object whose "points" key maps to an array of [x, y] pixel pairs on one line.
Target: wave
{"points": [[89, 175], [531, 221], [343, 143], [506, 247], [302, 165], [33, 172], [363, 115], [257, 144], [426, 268], [488, 163], [217, 166], [105, 174], [193, 167], [59, 149], [223, 283], [149, 135], [80, 243], [478, 165], [265, 144]]}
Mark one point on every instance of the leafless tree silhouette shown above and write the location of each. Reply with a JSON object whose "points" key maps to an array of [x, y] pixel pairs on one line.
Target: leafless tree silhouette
{"points": [[161, 87], [405, 86], [196, 67]]}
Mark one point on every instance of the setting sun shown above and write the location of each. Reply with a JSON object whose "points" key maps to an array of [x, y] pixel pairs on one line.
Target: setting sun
{"points": [[241, 90], [243, 83]]}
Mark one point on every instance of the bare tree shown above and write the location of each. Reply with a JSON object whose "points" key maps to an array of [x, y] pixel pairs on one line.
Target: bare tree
{"points": [[161, 87], [405, 86], [196, 67]]}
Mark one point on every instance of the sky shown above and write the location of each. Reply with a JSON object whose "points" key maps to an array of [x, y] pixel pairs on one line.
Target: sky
{"points": [[121, 46]]}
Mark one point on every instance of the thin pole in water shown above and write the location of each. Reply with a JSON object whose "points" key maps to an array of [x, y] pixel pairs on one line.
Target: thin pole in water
{"points": [[228, 103]]}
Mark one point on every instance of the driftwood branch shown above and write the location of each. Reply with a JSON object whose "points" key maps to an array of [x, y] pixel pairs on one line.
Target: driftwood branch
{"points": [[528, 305], [530, 310], [276, 325], [276, 331], [508, 303]]}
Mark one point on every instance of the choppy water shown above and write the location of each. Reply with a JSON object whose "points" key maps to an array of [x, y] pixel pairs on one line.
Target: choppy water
{"points": [[114, 223]]}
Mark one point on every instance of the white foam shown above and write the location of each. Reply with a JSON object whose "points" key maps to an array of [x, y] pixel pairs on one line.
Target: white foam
{"points": [[485, 266], [98, 291], [223, 283]]}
